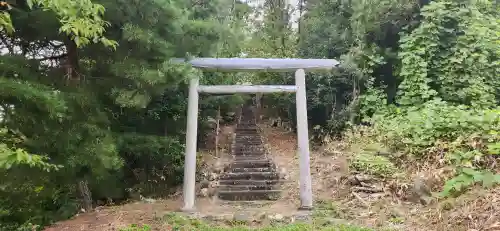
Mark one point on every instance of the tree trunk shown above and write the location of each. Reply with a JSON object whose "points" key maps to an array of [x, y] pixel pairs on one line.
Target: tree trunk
{"points": [[299, 21], [72, 64], [217, 128], [258, 106], [165, 127], [86, 195]]}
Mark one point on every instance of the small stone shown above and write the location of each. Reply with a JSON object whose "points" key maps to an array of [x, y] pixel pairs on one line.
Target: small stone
{"points": [[333, 221], [241, 217], [214, 217], [228, 217], [396, 212], [218, 166], [204, 184], [302, 217], [209, 218], [261, 215], [421, 192], [212, 176], [204, 192], [275, 217], [278, 217], [195, 215], [213, 184], [359, 179]]}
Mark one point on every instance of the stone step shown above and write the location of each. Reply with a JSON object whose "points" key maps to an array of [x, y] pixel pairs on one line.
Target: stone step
{"points": [[246, 187], [248, 147], [249, 150], [249, 159], [247, 136], [250, 176], [251, 145], [246, 195], [247, 132], [249, 182], [247, 122], [245, 204], [248, 142], [262, 163], [247, 128], [243, 140], [266, 169], [249, 153], [245, 118], [246, 125]]}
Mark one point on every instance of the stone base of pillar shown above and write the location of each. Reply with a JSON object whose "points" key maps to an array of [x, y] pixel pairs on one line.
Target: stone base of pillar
{"points": [[306, 208], [188, 210]]}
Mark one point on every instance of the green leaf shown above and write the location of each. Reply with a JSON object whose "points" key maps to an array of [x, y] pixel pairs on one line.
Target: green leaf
{"points": [[30, 3], [488, 179], [6, 22], [469, 171]]}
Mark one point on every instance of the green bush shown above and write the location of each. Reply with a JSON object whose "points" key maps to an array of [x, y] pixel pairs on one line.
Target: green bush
{"points": [[153, 163], [416, 129], [467, 137]]}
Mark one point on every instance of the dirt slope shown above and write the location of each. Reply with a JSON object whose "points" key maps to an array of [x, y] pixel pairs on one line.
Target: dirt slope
{"points": [[374, 204]]}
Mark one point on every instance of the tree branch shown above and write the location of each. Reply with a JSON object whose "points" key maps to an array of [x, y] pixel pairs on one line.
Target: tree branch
{"points": [[61, 56]]}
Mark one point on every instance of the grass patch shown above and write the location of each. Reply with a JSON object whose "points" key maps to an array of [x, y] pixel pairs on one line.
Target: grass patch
{"points": [[372, 164], [330, 209], [181, 223]]}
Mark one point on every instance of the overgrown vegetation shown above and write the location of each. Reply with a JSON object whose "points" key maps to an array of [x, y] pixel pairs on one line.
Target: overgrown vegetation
{"points": [[93, 112]]}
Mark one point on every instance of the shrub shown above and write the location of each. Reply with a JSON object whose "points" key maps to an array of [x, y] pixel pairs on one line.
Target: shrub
{"points": [[464, 137]]}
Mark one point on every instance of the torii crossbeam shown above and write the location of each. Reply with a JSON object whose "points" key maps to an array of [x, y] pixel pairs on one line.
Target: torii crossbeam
{"points": [[299, 66]]}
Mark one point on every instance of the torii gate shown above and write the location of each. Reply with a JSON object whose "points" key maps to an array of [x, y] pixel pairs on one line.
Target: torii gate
{"points": [[252, 64]]}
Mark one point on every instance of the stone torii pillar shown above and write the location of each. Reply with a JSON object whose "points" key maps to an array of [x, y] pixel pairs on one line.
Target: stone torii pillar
{"points": [[191, 142], [303, 141], [252, 64]]}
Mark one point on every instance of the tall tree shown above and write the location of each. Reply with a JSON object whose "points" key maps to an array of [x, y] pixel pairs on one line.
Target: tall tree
{"points": [[96, 108]]}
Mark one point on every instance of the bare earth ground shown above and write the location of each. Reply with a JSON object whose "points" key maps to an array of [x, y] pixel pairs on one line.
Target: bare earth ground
{"points": [[336, 200]]}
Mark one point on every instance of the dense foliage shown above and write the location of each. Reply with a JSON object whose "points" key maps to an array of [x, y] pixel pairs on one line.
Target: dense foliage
{"points": [[421, 76], [91, 109]]}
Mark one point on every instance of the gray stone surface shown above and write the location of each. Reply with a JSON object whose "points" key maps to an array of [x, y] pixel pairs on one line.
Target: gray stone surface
{"points": [[251, 175]]}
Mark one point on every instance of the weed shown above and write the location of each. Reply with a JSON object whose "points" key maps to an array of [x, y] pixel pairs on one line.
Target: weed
{"points": [[373, 164], [135, 227]]}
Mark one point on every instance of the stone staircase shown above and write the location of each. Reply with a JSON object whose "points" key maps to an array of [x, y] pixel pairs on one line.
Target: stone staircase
{"points": [[251, 175]]}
